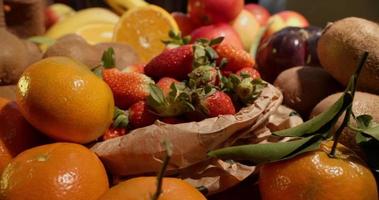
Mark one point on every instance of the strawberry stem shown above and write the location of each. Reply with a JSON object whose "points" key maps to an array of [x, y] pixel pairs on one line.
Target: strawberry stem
{"points": [[168, 147]]}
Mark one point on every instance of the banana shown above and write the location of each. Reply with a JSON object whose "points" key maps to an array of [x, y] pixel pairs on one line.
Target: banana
{"points": [[120, 6], [81, 18]]}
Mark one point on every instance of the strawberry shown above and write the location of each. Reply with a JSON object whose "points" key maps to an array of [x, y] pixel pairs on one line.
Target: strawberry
{"points": [[113, 132], [217, 103], [127, 87], [140, 116], [249, 71], [175, 63], [177, 102], [236, 59], [203, 76], [165, 84]]}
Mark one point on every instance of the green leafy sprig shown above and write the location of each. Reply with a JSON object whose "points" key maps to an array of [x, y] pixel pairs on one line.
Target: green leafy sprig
{"points": [[305, 137]]}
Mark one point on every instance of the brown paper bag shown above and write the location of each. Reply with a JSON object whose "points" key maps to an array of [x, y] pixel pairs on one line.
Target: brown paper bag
{"points": [[140, 152]]}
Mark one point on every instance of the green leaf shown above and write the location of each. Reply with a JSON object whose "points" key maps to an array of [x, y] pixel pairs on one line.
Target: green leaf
{"points": [[321, 122], [108, 58], [364, 121], [120, 118], [42, 40], [216, 41], [262, 153], [156, 97]]}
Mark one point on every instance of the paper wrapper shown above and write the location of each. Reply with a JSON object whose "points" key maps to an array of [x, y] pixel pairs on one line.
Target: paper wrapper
{"points": [[140, 152]]}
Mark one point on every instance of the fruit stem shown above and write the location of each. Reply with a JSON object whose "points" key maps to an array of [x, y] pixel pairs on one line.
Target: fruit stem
{"points": [[168, 147], [351, 88], [339, 131]]}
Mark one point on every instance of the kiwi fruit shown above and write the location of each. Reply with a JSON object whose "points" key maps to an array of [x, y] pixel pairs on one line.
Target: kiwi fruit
{"points": [[75, 47], [303, 87], [124, 54], [341, 46], [16, 54], [364, 103]]}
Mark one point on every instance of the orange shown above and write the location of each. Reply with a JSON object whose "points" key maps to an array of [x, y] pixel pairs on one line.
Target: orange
{"points": [[52, 172], [65, 100], [144, 28], [16, 134], [315, 175], [143, 188]]}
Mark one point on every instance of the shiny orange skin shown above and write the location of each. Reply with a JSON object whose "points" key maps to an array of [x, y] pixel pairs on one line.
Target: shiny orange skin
{"points": [[53, 172], [16, 134], [65, 100], [142, 188], [315, 175]]}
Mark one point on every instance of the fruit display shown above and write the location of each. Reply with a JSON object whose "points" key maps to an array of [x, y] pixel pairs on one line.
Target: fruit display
{"points": [[219, 100]]}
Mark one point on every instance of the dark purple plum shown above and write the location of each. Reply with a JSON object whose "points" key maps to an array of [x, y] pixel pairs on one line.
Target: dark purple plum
{"points": [[290, 47]]}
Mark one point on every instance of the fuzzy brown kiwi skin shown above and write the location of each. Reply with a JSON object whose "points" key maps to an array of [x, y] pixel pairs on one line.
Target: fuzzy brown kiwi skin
{"points": [[75, 47], [364, 103], [303, 87], [341, 46]]}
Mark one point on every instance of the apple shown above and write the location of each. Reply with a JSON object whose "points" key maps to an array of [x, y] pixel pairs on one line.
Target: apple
{"points": [[284, 19], [247, 27], [289, 47], [57, 12], [261, 13], [186, 25], [218, 30], [214, 11]]}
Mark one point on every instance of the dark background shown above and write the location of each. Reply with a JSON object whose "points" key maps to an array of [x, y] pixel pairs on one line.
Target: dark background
{"points": [[318, 12]]}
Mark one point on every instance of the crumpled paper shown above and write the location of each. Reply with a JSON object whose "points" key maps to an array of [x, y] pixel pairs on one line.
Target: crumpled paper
{"points": [[140, 152]]}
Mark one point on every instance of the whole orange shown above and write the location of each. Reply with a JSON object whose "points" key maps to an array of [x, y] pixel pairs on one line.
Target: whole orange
{"points": [[16, 134], [65, 100], [143, 188], [52, 172], [316, 175]]}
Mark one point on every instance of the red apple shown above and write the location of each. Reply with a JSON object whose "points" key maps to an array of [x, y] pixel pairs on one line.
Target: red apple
{"points": [[186, 25], [214, 11], [247, 27], [57, 12], [261, 13], [218, 30], [284, 19]]}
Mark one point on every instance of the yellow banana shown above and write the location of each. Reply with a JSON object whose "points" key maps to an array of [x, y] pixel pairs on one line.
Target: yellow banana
{"points": [[120, 6], [62, 10], [81, 18]]}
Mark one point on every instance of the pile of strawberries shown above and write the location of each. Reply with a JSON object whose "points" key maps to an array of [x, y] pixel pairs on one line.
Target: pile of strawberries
{"points": [[186, 82]]}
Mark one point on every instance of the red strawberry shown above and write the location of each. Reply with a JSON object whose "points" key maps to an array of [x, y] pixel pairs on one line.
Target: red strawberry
{"points": [[134, 68], [218, 103], [140, 116], [175, 63], [165, 84], [113, 132], [236, 58], [127, 87], [253, 73]]}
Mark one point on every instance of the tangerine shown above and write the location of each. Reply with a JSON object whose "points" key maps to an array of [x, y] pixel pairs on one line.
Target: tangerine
{"points": [[16, 134], [143, 188], [65, 100], [316, 175], [52, 172]]}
